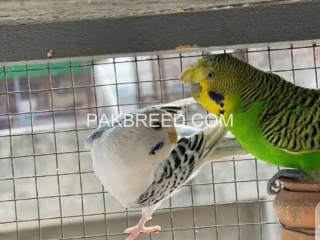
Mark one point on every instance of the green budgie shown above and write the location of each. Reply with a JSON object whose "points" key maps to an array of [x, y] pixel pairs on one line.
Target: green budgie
{"points": [[275, 120]]}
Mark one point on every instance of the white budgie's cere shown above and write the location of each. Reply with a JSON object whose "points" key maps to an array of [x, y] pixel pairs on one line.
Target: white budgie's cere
{"points": [[146, 163]]}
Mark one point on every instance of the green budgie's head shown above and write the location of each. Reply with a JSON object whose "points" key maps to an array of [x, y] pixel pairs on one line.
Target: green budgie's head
{"points": [[222, 73], [213, 78]]}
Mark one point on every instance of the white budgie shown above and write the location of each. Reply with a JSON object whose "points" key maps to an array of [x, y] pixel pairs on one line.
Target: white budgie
{"points": [[146, 163]]}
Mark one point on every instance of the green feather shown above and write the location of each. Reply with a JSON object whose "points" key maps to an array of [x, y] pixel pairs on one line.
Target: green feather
{"points": [[247, 129]]}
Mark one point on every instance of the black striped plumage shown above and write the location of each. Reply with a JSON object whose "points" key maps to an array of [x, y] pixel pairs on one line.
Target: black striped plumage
{"points": [[174, 171], [291, 114]]}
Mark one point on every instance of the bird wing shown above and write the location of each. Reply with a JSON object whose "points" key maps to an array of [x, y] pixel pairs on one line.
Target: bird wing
{"points": [[293, 127], [180, 166]]}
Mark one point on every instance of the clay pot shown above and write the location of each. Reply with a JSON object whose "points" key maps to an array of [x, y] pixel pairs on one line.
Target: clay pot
{"points": [[295, 206]]}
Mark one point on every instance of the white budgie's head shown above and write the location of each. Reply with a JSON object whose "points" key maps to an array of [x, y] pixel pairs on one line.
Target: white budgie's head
{"points": [[144, 138], [152, 134]]}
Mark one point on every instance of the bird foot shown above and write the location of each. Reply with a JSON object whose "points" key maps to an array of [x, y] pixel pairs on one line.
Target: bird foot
{"points": [[294, 174], [140, 228]]}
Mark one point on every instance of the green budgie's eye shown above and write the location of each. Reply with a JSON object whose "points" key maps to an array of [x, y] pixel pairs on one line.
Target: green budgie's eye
{"points": [[210, 75]]}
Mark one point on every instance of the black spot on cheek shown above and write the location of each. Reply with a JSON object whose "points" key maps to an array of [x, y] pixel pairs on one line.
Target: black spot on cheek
{"points": [[216, 97], [221, 105], [221, 112]]}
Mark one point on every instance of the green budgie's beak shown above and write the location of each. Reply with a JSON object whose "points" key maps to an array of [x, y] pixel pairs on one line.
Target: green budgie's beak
{"points": [[195, 88], [191, 75], [187, 76], [195, 73]]}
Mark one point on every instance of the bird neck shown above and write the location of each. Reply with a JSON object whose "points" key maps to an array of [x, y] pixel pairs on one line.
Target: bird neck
{"points": [[259, 86]]}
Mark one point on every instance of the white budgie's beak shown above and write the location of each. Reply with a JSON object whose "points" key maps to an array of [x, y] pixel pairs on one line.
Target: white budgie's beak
{"points": [[173, 136]]}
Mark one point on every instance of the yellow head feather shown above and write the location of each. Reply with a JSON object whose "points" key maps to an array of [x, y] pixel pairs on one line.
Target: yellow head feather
{"points": [[195, 73], [203, 76]]}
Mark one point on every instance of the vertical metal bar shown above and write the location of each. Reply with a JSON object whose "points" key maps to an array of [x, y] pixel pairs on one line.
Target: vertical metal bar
{"points": [[213, 187], [78, 148], [11, 154], [160, 77], [315, 64], [191, 186], [161, 99], [116, 80], [138, 82], [182, 87], [118, 106], [96, 109], [17, 94], [34, 152], [56, 150], [292, 64], [236, 194]]}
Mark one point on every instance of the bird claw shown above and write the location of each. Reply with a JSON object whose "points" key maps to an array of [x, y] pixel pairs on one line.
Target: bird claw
{"points": [[273, 189], [140, 228], [294, 174], [132, 236], [143, 229], [135, 231]]}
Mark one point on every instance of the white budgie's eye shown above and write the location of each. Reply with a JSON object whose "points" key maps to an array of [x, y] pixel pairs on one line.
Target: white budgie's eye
{"points": [[210, 75], [156, 126]]}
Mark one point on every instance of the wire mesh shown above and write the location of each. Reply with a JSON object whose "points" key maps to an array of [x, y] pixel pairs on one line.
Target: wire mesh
{"points": [[48, 189]]}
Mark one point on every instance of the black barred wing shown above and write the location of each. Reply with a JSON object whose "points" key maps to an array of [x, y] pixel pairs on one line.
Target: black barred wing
{"points": [[293, 125], [178, 168]]}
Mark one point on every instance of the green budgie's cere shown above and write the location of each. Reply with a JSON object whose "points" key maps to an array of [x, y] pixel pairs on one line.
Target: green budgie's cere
{"points": [[273, 119]]}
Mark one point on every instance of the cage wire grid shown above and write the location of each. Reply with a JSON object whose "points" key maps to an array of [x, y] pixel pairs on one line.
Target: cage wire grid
{"points": [[48, 188]]}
